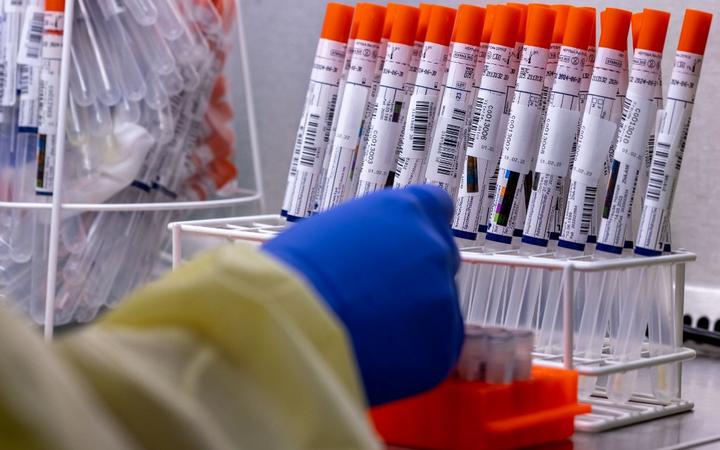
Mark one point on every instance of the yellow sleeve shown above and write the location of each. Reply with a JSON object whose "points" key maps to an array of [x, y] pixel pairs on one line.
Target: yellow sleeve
{"points": [[230, 351]]}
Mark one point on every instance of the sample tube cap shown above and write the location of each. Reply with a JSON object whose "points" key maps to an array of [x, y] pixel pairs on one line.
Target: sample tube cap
{"points": [[390, 11], [695, 30], [561, 13], [522, 23], [425, 9], [540, 24], [57, 5], [636, 25], [405, 25], [653, 30], [489, 21], [593, 30], [222, 172], [440, 26], [614, 25], [337, 23], [505, 27], [577, 29], [469, 25], [371, 22]]}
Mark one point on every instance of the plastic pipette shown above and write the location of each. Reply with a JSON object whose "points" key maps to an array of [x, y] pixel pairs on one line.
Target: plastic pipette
{"points": [[319, 108], [385, 126], [483, 151], [424, 100], [446, 151], [345, 144]]}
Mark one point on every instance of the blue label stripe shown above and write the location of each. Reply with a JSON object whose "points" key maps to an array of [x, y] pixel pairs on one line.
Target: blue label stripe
{"points": [[499, 238], [140, 185], [291, 218], [629, 244], [608, 249], [482, 228], [554, 236], [592, 239], [283, 213], [464, 234], [535, 241], [571, 245], [28, 130], [646, 252], [517, 233]]}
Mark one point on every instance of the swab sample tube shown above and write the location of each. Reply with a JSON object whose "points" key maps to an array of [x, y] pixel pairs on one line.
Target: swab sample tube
{"points": [[500, 357]]}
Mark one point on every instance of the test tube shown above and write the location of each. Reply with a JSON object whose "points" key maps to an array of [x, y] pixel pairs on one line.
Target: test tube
{"points": [[500, 359], [634, 131], [523, 343], [338, 25], [385, 124], [425, 98], [169, 21], [143, 11], [378, 172], [482, 152], [472, 361], [150, 45], [345, 143], [446, 150]]}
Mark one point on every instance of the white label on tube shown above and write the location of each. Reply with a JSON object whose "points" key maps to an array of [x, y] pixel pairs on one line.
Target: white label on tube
{"points": [[29, 85], [8, 65], [48, 102], [421, 115], [483, 142], [674, 122], [325, 77], [447, 148], [638, 116], [385, 125], [343, 156], [31, 36]]}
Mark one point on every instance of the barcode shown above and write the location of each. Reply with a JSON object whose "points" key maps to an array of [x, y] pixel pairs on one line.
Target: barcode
{"points": [[657, 171], [33, 46], [329, 118], [587, 209], [448, 150], [458, 114], [421, 120], [475, 123], [492, 185], [24, 80], [627, 103], [309, 149], [650, 150]]}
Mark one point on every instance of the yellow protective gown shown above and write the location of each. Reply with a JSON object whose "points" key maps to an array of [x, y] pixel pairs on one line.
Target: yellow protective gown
{"points": [[231, 351]]}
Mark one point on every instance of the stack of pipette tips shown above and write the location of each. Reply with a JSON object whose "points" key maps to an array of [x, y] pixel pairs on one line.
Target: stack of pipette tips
{"points": [[555, 139], [147, 121]]}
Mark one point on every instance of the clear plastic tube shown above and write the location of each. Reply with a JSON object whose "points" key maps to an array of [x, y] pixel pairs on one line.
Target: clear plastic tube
{"points": [[168, 20], [88, 46], [81, 90], [150, 46], [131, 79], [126, 112], [472, 361], [143, 11], [173, 83], [500, 357], [523, 343]]}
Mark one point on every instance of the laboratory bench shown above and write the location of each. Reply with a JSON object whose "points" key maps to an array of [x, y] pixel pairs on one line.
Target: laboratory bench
{"points": [[701, 385]]}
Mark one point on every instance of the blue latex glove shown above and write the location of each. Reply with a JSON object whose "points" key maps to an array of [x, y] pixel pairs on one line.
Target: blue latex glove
{"points": [[386, 265]]}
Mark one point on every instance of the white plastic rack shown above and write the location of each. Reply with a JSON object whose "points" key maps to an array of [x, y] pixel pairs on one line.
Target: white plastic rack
{"points": [[606, 414]]}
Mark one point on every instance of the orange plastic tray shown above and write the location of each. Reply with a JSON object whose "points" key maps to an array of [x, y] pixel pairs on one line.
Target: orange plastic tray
{"points": [[461, 415]]}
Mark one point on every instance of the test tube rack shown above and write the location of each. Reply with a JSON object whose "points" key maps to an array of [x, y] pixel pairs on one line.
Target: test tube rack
{"points": [[606, 414], [58, 205]]}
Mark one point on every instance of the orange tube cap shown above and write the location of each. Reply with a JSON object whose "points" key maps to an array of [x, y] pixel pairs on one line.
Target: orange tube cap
{"points": [[577, 29], [425, 9], [440, 26], [371, 22], [389, 17], [540, 24], [337, 23], [522, 23], [561, 13], [405, 25], [488, 25], [695, 30], [614, 26], [505, 28], [469, 25], [653, 30]]}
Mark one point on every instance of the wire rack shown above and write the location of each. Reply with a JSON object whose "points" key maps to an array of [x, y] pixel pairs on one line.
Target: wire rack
{"points": [[606, 414], [236, 196]]}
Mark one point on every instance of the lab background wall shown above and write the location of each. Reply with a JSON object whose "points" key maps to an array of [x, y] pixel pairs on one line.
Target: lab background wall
{"points": [[282, 35]]}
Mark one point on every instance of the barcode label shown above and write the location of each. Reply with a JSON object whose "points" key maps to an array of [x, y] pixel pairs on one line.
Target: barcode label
{"points": [[587, 209], [25, 75], [475, 123], [30, 49], [448, 150], [458, 114], [492, 185], [657, 171], [420, 124], [329, 118], [309, 151]]}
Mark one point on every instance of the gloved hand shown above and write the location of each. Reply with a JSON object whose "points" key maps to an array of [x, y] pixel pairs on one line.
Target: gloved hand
{"points": [[386, 264]]}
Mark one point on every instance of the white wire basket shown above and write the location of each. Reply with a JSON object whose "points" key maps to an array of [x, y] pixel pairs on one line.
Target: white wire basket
{"points": [[606, 414], [245, 192]]}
